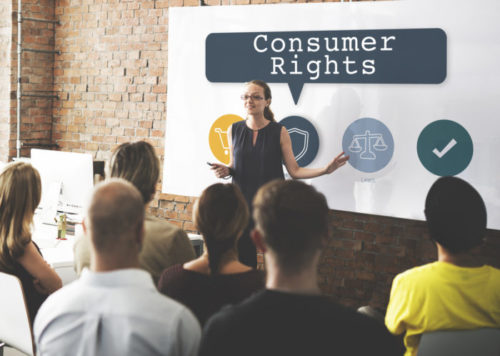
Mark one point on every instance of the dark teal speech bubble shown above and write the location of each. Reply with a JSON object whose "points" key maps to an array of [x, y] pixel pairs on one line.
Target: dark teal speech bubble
{"points": [[410, 56]]}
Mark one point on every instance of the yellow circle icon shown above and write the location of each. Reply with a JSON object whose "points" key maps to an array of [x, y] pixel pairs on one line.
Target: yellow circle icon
{"points": [[217, 137]]}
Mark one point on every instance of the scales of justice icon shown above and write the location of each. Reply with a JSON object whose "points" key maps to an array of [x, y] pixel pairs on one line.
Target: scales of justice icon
{"points": [[366, 143]]}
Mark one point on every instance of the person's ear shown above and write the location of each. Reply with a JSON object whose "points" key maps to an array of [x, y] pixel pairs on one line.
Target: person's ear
{"points": [[258, 240], [84, 225], [140, 234]]}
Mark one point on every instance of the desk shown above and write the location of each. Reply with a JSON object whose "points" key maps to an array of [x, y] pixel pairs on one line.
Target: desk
{"points": [[59, 253]]}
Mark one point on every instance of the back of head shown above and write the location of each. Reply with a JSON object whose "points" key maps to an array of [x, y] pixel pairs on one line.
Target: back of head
{"points": [[20, 194], [456, 214], [293, 218], [115, 217], [137, 163], [221, 215]]}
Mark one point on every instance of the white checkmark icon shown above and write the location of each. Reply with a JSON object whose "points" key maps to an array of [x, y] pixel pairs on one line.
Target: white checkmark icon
{"points": [[445, 150]]}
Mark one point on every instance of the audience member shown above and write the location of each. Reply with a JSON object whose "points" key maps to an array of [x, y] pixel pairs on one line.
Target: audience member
{"points": [[455, 292], [164, 244], [217, 277], [290, 317], [114, 308], [20, 193]]}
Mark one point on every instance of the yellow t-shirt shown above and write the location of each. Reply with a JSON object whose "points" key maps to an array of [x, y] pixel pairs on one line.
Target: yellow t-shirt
{"points": [[442, 296]]}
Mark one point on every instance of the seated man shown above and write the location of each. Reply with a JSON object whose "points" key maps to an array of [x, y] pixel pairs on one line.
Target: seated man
{"points": [[291, 317], [164, 244], [114, 308], [454, 292]]}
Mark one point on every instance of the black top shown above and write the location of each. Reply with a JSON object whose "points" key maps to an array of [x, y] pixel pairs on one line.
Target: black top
{"points": [[206, 294], [34, 299], [278, 323], [256, 165]]}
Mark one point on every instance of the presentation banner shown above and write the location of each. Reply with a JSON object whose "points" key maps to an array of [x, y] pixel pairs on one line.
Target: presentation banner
{"points": [[408, 89]]}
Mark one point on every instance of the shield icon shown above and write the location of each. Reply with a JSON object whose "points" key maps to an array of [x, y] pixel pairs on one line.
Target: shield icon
{"points": [[300, 142]]}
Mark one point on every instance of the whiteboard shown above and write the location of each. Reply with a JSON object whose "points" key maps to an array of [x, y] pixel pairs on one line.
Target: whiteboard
{"points": [[467, 96]]}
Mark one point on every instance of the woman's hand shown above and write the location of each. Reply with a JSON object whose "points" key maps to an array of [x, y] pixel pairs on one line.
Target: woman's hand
{"points": [[337, 162], [220, 170]]}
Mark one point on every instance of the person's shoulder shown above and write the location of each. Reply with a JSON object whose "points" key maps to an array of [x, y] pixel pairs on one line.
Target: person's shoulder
{"points": [[256, 276], [238, 124], [231, 316], [177, 312], [64, 300], [353, 325], [156, 227], [170, 275], [417, 274], [494, 277]]}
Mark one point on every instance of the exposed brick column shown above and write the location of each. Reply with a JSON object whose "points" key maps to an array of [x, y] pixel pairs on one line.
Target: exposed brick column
{"points": [[5, 52], [37, 76]]}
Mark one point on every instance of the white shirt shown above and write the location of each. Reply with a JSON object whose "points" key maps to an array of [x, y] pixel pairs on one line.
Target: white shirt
{"points": [[114, 313]]}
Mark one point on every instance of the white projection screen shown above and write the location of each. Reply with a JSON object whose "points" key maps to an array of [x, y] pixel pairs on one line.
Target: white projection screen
{"points": [[432, 88]]}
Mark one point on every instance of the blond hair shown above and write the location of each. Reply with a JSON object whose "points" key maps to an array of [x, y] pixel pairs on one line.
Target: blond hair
{"points": [[20, 194]]}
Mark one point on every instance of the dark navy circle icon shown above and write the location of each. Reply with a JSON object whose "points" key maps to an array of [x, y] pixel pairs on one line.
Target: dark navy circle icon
{"points": [[445, 148], [369, 144], [305, 140]]}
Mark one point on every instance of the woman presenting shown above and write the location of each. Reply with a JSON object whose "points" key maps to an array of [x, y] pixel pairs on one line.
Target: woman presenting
{"points": [[258, 146]]}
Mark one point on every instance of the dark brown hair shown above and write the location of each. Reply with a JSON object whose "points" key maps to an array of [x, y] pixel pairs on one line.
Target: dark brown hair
{"points": [[455, 214], [137, 163], [293, 218], [220, 214]]}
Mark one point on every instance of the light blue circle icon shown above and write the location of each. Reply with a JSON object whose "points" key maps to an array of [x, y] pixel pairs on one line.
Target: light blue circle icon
{"points": [[369, 144], [444, 148], [305, 139]]}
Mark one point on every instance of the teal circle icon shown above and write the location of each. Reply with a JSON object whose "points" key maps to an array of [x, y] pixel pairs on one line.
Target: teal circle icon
{"points": [[445, 148]]}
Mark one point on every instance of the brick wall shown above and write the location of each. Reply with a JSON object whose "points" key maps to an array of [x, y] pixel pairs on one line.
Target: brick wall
{"points": [[5, 63], [365, 252], [111, 80]]}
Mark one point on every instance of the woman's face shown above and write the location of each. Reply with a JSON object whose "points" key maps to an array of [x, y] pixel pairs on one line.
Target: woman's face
{"points": [[253, 99]]}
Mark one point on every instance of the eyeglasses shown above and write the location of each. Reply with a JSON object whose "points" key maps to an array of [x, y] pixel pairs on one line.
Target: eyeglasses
{"points": [[246, 97]]}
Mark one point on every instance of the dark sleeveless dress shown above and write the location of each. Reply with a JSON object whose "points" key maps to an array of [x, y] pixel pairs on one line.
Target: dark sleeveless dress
{"points": [[34, 299], [253, 167]]}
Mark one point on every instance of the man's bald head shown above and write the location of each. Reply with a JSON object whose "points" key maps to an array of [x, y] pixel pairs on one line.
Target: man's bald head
{"points": [[115, 217]]}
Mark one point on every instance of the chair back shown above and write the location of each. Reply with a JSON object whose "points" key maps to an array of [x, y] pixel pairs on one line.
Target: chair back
{"points": [[484, 342], [15, 327]]}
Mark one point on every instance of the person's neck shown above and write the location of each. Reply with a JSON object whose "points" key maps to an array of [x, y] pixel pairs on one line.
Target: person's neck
{"points": [[107, 263], [303, 282], [229, 264], [256, 122], [457, 259]]}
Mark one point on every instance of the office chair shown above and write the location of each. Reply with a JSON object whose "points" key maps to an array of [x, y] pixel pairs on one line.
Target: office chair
{"points": [[484, 342], [15, 326]]}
